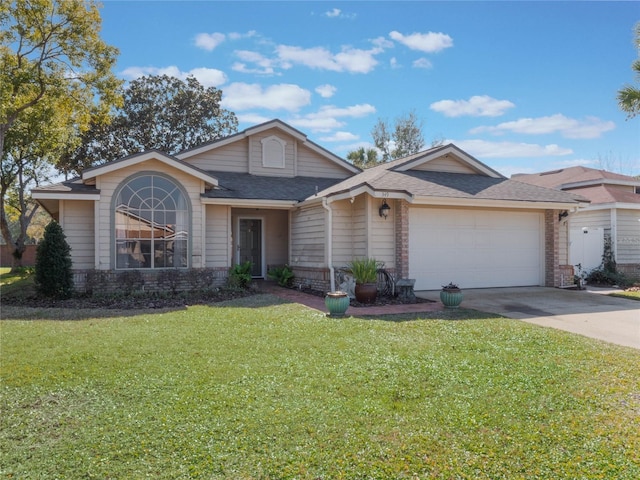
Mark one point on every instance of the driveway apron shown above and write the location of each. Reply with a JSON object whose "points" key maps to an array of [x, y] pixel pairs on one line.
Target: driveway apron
{"points": [[590, 312]]}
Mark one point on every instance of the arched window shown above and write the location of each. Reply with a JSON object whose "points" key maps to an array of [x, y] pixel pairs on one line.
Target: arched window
{"points": [[151, 223]]}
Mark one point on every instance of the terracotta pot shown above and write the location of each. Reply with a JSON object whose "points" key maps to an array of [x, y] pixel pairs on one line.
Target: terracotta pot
{"points": [[337, 303], [366, 292]]}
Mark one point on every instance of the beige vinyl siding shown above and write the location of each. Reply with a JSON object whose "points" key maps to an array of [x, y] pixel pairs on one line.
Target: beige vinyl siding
{"points": [[308, 237], [277, 237], [382, 234], [628, 236], [218, 236], [275, 229], [229, 158], [255, 151], [77, 223], [563, 249], [310, 164], [445, 164], [343, 248], [107, 184], [590, 219]]}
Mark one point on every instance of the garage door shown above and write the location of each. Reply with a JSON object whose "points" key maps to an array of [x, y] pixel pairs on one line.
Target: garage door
{"points": [[475, 249]]}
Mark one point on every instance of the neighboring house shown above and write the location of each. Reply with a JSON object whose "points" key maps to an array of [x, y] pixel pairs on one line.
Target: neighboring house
{"points": [[613, 216], [271, 196]]}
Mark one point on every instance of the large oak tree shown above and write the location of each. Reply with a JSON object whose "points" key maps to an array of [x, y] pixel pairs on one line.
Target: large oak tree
{"points": [[55, 79], [158, 112]]}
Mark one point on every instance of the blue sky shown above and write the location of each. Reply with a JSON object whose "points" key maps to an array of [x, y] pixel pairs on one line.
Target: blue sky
{"points": [[522, 86]]}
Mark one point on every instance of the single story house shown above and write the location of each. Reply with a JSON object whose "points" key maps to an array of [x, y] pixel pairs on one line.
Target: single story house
{"points": [[271, 196], [612, 216]]}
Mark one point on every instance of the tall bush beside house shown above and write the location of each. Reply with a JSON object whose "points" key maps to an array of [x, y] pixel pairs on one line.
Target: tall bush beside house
{"points": [[53, 263]]}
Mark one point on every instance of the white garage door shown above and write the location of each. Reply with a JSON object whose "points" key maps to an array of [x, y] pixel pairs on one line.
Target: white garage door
{"points": [[475, 249]]}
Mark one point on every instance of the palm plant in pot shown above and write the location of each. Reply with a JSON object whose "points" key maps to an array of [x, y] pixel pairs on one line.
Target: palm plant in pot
{"points": [[365, 273], [451, 295]]}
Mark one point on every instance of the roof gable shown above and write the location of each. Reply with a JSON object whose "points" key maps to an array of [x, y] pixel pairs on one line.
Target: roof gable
{"points": [[448, 159], [277, 125], [138, 158]]}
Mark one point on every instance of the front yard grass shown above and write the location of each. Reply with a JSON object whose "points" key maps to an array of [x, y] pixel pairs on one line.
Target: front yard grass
{"points": [[258, 388]]}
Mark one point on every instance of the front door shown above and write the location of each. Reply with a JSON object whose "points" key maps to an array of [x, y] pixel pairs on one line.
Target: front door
{"points": [[250, 244]]}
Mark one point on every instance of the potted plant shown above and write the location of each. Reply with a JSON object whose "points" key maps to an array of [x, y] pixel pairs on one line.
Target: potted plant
{"points": [[451, 295], [365, 273], [337, 303]]}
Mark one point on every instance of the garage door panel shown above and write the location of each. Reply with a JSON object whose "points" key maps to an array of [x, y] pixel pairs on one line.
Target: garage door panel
{"points": [[474, 248]]}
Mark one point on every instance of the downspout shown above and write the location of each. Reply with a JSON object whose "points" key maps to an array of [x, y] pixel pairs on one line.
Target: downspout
{"points": [[332, 277]]}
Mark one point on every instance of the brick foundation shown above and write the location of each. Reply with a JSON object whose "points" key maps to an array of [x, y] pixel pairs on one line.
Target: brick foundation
{"points": [[126, 281], [631, 270], [312, 278]]}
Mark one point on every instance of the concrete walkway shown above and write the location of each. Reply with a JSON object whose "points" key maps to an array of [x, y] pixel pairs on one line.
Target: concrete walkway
{"points": [[591, 312]]}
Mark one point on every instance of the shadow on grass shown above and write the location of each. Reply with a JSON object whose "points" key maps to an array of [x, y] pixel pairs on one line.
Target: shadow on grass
{"points": [[448, 314], [21, 312]]}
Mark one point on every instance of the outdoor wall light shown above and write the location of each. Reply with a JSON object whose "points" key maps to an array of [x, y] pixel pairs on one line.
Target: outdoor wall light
{"points": [[384, 209], [562, 215]]}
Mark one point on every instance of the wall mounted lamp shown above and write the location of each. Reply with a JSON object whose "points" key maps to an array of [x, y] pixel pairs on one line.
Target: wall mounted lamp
{"points": [[384, 209], [562, 215]]}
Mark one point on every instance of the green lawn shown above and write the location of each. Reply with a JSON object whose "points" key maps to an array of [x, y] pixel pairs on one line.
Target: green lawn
{"points": [[256, 388]]}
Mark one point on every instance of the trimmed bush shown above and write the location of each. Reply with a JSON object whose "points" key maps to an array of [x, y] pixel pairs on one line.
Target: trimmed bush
{"points": [[53, 263]]}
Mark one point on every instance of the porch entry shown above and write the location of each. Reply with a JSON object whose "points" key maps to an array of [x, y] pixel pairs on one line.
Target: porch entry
{"points": [[250, 244]]}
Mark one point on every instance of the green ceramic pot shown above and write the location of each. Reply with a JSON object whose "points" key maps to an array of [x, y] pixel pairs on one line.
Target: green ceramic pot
{"points": [[451, 298], [337, 303]]}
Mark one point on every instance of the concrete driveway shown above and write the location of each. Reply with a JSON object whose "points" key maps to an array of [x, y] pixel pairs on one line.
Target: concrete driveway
{"points": [[587, 312]]}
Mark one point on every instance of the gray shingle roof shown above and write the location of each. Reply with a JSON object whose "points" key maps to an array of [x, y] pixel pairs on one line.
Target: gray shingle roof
{"points": [[246, 186], [419, 183], [74, 185]]}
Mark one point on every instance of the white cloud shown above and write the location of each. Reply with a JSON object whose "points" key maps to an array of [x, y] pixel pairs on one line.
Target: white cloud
{"points": [[284, 96], [476, 106], [265, 65], [394, 63], [328, 117], [319, 124], [340, 137], [326, 90], [486, 149], [351, 60], [252, 118], [354, 111], [335, 12], [425, 42], [209, 41], [590, 127], [208, 77], [238, 36], [422, 63]]}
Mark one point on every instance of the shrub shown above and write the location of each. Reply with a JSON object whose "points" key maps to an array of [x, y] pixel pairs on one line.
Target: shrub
{"points": [[240, 275], [283, 275], [600, 276], [54, 277]]}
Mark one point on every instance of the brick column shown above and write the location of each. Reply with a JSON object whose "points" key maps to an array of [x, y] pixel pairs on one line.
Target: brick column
{"points": [[401, 217], [551, 248]]}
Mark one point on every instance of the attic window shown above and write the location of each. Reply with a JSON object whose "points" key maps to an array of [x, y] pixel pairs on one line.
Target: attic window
{"points": [[273, 152]]}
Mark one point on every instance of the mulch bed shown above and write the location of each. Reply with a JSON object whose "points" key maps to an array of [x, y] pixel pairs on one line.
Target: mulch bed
{"points": [[381, 300]]}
